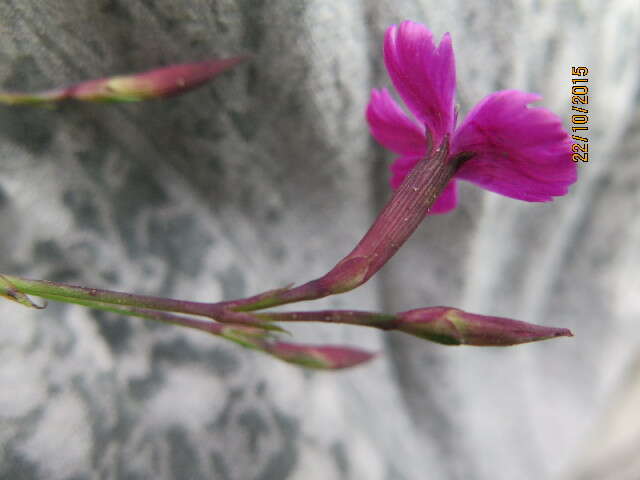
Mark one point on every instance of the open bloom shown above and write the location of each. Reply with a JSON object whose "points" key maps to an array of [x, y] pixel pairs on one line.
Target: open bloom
{"points": [[518, 151]]}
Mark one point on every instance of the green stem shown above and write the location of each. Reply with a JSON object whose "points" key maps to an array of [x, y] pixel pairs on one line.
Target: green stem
{"points": [[206, 326], [75, 294], [255, 337], [395, 224]]}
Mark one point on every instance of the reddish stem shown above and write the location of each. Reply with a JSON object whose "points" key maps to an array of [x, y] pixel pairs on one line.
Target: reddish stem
{"points": [[398, 220]]}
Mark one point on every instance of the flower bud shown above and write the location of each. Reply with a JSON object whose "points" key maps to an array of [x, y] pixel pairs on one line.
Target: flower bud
{"points": [[322, 357], [161, 82], [248, 337], [452, 326], [158, 83]]}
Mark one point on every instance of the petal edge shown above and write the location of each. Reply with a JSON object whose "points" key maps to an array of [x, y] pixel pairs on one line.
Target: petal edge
{"points": [[391, 127], [423, 74], [522, 152]]}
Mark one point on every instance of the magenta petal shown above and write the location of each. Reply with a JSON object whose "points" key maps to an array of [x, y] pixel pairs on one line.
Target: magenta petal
{"points": [[447, 200], [423, 74], [401, 167], [392, 128], [521, 152]]}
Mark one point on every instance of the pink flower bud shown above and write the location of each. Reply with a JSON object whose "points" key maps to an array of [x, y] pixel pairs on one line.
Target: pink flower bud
{"points": [[323, 357], [158, 83], [452, 326], [162, 82]]}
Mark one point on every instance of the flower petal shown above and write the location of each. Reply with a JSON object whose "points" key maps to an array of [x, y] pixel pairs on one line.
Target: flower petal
{"points": [[521, 152], [423, 74], [447, 200], [392, 128]]}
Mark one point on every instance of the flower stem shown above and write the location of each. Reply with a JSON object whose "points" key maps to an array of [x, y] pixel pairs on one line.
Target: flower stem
{"points": [[383, 321], [257, 336], [16, 288], [398, 220], [45, 289], [395, 224], [445, 325]]}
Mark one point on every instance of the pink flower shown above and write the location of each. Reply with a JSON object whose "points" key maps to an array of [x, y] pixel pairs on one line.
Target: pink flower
{"points": [[519, 152]]}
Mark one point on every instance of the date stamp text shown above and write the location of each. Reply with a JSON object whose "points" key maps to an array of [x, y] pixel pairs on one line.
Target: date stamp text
{"points": [[580, 113]]}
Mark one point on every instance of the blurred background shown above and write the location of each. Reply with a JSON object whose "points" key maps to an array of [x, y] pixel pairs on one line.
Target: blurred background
{"points": [[268, 176]]}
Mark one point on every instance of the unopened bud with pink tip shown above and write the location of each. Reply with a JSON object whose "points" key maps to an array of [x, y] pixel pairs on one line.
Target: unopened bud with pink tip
{"points": [[158, 83], [323, 357], [452, 326]]}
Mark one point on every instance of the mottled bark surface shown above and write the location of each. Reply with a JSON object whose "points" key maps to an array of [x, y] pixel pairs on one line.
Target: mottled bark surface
{"points": [[268, 176]]}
